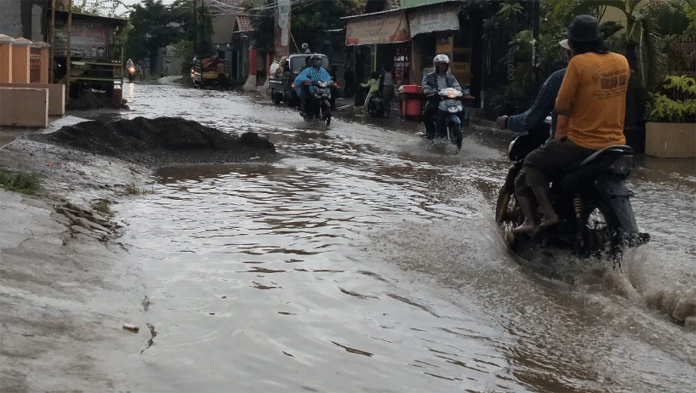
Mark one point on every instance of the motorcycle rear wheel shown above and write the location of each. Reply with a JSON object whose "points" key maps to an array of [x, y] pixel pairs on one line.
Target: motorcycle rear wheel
{"points": [[507, 212], [600, 234]]}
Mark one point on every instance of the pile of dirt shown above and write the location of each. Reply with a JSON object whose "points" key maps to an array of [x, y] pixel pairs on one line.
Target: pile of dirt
{"points": [[160, 141]]}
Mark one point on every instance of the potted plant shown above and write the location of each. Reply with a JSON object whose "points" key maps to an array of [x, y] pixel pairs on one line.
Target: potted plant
{"points": [[670, 129]]}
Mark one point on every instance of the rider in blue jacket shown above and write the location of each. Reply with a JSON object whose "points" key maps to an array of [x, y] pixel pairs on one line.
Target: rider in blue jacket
{"points": [[314, 73]]}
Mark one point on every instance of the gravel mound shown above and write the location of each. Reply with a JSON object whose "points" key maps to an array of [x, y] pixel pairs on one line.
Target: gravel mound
{"points": [[160, 141]]}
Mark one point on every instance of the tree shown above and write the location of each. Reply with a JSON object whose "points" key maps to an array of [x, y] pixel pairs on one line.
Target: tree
{"points": [[639, 41], [308, 23], [152, 25]]}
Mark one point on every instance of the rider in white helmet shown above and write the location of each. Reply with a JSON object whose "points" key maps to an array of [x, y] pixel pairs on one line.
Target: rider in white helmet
{"points": [[432, 83]]}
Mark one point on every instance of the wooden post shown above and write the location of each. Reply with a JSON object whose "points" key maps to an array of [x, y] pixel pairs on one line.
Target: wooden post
{"points": [[52, 42], [68, 59]]}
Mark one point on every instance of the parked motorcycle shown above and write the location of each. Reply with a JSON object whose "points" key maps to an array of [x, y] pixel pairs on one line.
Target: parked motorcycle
{"points": [[131, 73], [376, 105], [591, 199], [319, 101], [451, 116]]}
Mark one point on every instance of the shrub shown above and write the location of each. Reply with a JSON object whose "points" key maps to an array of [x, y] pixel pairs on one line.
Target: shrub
{"points": [[675, 104]]}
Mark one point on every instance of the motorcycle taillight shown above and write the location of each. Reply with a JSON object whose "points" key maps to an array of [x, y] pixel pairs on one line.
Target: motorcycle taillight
{"points": [[622, 165]]}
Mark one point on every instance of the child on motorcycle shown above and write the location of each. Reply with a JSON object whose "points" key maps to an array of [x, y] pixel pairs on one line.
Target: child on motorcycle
{"points": [[373, 84]]}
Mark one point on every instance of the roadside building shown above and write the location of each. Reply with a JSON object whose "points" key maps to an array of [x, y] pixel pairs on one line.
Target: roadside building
{"points": [[409, 33]]}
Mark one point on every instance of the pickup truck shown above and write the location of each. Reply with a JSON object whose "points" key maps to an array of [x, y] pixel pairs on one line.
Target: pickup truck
{"points": [[282, 89]]}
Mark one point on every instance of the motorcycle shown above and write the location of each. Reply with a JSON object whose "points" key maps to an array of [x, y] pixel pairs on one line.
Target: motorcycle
{"points": [[131, 73], [319, 101], [376, 105], [451, 116], [591, 199]]}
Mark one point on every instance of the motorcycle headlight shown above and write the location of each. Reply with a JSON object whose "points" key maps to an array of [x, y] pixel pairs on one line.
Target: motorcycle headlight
{"points": [[451, 94], [622, 165]]}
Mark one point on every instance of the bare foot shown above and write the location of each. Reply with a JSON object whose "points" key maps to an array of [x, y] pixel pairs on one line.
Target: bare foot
{"points": [[526, 227], [550, 221]]}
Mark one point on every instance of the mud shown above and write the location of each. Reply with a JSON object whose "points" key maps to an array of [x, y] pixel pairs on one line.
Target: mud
{"points": [[160, 141]]}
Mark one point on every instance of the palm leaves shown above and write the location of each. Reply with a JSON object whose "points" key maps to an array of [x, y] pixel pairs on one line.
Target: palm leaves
{"points": [[638, 41]]}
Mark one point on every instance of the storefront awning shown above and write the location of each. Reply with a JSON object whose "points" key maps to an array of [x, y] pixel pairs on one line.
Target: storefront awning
{"points": [[437, 18], [378, 28]]}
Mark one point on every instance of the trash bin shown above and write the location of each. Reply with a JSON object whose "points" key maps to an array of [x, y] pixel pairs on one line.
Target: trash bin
{"points": [[411, 97]]}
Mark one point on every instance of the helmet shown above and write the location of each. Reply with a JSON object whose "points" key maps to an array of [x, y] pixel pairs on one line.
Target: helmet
{"points": [[316, 60], [440, 59]]}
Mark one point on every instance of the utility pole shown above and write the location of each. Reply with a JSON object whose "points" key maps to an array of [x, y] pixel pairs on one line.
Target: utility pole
{"points": [[535, 42], [52, 42], [68, 48], [195, 29], [282, 27]]}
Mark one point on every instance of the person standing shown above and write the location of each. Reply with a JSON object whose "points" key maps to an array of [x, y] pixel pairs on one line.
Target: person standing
{"points": [[386, 86], [222, 77], [349, 79]]}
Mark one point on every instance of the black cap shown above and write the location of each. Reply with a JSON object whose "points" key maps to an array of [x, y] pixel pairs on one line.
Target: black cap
{"points": [[584, 28]]}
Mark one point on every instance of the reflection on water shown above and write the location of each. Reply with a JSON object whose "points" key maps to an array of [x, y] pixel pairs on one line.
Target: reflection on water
{"points": [[364, 261]]}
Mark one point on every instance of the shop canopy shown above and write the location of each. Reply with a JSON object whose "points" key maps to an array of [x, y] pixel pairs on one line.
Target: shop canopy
{"points": [[400, 25], [442, 17], [387, 27]]}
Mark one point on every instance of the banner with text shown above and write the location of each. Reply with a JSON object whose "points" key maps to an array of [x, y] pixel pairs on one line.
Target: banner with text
{"points": [[439, 18], [388, 28]]}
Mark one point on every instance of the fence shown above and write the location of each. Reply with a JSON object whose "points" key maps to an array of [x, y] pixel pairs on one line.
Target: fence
{"points": [[681, 56]]}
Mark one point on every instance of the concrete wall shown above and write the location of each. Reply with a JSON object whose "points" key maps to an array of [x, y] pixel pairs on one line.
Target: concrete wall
{"points": [[11, 18], [56, 95], [23, 107]]}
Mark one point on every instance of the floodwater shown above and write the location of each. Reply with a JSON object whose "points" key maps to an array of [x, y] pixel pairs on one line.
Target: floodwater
{"points": [[366, 261]]}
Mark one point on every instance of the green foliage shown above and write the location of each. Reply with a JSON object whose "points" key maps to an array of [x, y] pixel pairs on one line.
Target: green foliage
{"points": [[102, 206], [661, 108], [513, 18], [639, 42], [20, 182], [669, 16], [690, 10], [309, 20], [154, 25]]}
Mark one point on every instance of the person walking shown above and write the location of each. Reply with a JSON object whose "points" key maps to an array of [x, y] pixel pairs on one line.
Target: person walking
{"points": [[386, 86]]}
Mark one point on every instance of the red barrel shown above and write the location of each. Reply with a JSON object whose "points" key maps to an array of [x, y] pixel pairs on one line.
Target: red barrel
{"points": [[411, 97]]}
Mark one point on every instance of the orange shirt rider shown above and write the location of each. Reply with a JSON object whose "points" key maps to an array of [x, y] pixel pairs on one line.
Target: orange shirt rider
{"points": [[592, 100]]}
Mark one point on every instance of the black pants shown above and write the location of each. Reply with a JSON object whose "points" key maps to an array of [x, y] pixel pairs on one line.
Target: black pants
{"points": [[552, 159], [429, 115], [305, 97]]}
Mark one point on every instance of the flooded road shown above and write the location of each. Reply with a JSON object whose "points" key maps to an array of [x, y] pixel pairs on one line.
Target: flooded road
{"points": [[366, 261]]}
